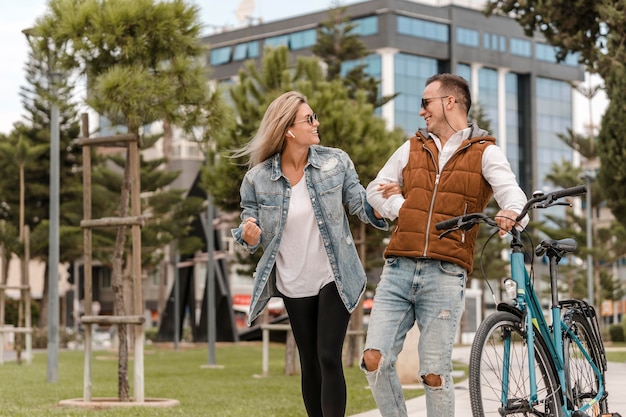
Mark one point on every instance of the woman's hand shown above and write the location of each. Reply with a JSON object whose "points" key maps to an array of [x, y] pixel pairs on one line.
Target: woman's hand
{"points": [[251, 233], [387, 190]]}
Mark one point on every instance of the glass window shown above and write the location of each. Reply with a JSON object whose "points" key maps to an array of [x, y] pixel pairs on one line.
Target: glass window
{"points": [[411, 72], [513, 118], [494, 42], [221, 56], [103, 274], [467, 37], [246, 50], [572, 59], [294, 41], [423, 29], [502, 43], [548, 53], [554, 116], [277, 41], [372, 67], [545, 52], [521, 47], [465, 71], [241, 52], [488, 97], [302, 39], [366, 26]]}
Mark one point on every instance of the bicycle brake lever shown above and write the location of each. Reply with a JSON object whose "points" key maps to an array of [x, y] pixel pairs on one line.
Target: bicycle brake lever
{"points": [[455, 228]]}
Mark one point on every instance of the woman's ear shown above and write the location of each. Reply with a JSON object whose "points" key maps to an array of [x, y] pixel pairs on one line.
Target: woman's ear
{"points": [[290, 133]]}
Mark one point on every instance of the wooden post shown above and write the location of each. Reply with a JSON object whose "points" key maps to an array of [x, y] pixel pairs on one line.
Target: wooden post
{"points": [[87, 250], [135, 208]]}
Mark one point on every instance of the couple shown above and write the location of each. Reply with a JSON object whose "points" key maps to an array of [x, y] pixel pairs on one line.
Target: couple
{"points": [[293, 200]]}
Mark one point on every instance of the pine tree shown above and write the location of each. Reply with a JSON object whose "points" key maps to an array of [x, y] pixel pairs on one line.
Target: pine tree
{"points": [[595, 31], [337, 44], [142, 63]]}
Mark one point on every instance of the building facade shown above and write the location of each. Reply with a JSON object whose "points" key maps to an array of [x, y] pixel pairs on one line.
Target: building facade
{"points": [[521, 89]]}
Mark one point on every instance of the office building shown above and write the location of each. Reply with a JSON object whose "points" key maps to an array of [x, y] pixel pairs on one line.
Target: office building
{"points": [[523, 92]]}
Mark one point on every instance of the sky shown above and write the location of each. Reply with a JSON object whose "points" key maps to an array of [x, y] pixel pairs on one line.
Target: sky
{"points": [[214, 14], [23, 14]]}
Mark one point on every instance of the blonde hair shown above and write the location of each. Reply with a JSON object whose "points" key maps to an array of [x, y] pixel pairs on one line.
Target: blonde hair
{"points": [[270, 137]]}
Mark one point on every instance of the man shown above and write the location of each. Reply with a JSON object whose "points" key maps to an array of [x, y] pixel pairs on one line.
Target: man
{"points": [[449, 169]]}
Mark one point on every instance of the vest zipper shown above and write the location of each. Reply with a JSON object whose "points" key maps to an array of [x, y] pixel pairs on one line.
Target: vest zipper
{"points": [[463, 232], [432, 201]]}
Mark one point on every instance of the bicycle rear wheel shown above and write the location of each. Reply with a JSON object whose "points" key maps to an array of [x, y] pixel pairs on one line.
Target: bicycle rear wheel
{"points": [[583, 383], [500, 340]]}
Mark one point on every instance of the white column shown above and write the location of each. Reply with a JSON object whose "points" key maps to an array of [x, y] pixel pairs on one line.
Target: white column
{"points": [[474, 67], [387, 78], [501, 134]]}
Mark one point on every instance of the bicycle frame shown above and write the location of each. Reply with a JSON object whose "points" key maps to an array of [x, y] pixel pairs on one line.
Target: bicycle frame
{"points": [[528, 305]]}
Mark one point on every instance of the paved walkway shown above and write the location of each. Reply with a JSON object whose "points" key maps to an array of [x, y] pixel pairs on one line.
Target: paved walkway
{"points": [[416, 407]]}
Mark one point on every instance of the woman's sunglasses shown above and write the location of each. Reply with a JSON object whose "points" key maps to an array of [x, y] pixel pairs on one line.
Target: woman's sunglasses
{"points": [[311, 118]]}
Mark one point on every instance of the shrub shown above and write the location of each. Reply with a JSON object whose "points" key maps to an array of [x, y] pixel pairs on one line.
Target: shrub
{"points": [[616, 332]]}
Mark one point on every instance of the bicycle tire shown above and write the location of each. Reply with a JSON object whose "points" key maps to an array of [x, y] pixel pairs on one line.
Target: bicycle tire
{"points": [[486, 371], [583, 384]]}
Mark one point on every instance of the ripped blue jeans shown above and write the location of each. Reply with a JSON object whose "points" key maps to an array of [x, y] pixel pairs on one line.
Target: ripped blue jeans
{"points": [[430, 293]]}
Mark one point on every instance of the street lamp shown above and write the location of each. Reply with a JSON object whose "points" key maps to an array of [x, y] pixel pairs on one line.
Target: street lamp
{"points": [[54, 78]]}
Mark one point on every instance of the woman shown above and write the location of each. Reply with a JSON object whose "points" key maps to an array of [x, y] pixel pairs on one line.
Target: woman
{"points": [[292, 202]]}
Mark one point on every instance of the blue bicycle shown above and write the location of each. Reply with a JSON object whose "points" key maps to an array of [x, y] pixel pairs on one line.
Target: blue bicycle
{"points": [[519, 364]]}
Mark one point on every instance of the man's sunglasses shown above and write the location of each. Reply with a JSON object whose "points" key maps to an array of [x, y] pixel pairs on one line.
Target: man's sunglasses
{"points": [[426, 100], [311, 118]]}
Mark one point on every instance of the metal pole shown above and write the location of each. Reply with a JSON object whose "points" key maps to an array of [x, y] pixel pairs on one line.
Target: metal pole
{"points": [[176, 297], [76, 303], [590, 294], [211, 311], [53, 239]]}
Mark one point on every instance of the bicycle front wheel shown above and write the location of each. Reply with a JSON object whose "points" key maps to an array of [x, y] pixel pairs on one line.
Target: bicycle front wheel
{"points": [[583, 382], [499, 372]]}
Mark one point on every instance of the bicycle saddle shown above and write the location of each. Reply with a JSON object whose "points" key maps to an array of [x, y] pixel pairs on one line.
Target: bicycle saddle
{"points": [[556, 247]]}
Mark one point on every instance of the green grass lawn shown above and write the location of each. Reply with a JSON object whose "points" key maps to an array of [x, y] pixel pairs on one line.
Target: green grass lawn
{"points": [[235, 390]]}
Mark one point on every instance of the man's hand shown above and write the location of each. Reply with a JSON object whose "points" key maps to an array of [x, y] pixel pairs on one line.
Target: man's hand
{"points": [[506, 221]]}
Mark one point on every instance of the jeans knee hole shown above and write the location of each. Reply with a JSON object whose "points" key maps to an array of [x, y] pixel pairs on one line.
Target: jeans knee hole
{"points": [[372, 359], [433, 380]]}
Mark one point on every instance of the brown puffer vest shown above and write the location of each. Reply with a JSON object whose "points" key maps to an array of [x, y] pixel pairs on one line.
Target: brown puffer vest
{"points": [[432, 197]]}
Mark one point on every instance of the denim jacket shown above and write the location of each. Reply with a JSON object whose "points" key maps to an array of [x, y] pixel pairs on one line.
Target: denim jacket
{"points": [[332, 183]]}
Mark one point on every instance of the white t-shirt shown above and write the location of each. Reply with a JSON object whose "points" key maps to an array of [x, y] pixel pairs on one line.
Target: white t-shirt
{"points": [[302, 265]]}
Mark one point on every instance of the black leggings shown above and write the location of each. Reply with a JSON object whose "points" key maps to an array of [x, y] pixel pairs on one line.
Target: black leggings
{"points": [[319, 325]]}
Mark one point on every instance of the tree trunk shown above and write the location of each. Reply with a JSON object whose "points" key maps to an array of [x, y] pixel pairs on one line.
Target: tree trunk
{"points": [[117, 285], [292, 360], [353, 348], [43, 312]]}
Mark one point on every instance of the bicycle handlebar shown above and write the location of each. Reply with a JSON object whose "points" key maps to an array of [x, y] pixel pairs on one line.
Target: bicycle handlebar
{"points": [[550, 199], [467, 221], [464, 222]]}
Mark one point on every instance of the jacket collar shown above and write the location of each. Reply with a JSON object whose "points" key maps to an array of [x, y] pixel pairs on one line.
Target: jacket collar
{"points": [[476, 132], [314, 160]]}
